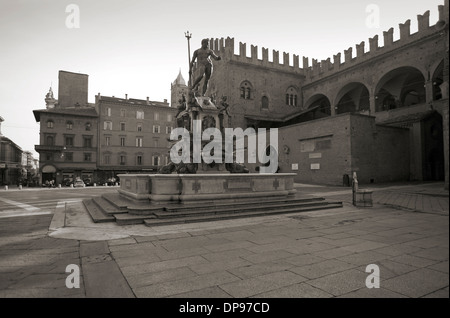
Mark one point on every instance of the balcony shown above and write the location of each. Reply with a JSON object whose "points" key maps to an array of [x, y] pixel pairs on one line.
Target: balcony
{"points": [[40, 148]]}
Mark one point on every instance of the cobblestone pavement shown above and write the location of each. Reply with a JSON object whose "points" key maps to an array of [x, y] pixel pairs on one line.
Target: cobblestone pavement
{"points": [[310, 254]]}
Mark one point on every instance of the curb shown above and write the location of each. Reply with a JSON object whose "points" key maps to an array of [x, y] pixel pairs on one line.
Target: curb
{"points": [[59, 217]]}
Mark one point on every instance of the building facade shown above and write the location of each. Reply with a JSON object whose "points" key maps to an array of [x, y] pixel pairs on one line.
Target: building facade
{"points": [[133, 135], [96, 142], [10, 162], [68, 132], [68, 144], [402, 85]]}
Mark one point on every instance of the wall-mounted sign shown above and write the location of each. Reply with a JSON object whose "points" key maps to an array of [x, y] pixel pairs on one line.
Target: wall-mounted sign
{"points": [[315, 166], [294, 166], [315, 155]]}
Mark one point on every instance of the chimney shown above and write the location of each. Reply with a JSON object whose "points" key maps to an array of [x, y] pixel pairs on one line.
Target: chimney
{"points": [[148, 100], [126, 96], [165, 100]]}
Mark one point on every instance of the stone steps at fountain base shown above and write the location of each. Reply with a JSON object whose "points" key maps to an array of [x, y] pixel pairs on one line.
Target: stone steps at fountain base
{"points": [[240, 204], [238, 214], [233, 209], [129, 212], [107, 207], [96, 213]]}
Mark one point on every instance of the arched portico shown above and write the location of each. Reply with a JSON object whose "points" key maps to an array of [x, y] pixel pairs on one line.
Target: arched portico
{"points": [[401, 87], [353, 97], [322, 101]]}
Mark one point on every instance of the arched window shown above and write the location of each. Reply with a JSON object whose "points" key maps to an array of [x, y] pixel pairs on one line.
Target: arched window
{"points": [[246, 90], [265, 102], [69, 125], [50, 123], [291, 96]]}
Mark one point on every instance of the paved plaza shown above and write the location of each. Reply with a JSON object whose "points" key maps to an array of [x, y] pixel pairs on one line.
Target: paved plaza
{"points": [[317, 254]]}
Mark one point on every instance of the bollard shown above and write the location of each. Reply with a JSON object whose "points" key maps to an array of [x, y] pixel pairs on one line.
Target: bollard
{"points": [[95, 184], [354, 187], [71, 185], [59, 185], [20, 187], [117, 184], [6, 187], [361, 197]]}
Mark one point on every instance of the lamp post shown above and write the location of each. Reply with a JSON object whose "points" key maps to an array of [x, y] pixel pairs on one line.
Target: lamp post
{"points": [[188, 37]]}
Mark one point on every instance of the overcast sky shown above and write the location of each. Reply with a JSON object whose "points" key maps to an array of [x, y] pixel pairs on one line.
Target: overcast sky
{"points": [[137, 47]]}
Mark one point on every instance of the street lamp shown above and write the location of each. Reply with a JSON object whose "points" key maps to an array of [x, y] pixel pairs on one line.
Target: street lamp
{"points": [[188, 37]]}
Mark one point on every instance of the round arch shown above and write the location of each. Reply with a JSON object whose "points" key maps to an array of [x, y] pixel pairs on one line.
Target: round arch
{"points": [[319, 100], [400, 87], [353, 97]]}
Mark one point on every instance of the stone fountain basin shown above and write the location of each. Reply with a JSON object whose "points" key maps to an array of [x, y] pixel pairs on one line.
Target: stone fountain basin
{"points": [[186, 188]]}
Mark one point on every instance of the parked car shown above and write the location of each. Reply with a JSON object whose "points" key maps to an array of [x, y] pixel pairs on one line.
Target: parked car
{"points": [[87, 182], [78, 183]]}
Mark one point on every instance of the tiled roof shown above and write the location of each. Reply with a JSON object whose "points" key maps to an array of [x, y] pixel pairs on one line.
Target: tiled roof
{"points": [[133, 101]]}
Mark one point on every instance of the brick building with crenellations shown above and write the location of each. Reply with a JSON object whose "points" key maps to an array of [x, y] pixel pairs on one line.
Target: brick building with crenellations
{"points": [[382, 112]]}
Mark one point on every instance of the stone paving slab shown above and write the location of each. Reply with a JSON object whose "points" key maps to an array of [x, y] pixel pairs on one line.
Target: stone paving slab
{"points": [[417, 283], [226, 264], [93, 248], [185, 285], [254, 270], [442, 293], [169, 275], [372, 293], [105, 280], [301, 290], [321, 269], [340, 283], [258, 285], [209, 292]]}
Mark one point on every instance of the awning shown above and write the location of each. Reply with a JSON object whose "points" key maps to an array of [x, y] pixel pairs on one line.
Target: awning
{"points": [[48, 169]]}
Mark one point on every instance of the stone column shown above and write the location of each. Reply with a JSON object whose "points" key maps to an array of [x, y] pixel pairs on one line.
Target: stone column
{"points": [[372, 104], [429, 91]]}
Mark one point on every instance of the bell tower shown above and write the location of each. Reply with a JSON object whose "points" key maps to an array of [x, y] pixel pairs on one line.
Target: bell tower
{"points": [[178, 88]]}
